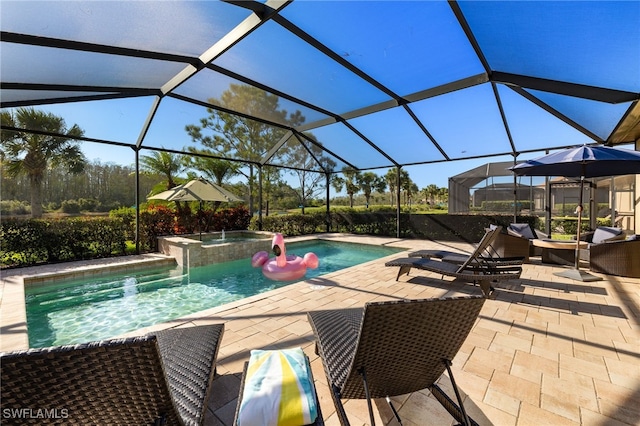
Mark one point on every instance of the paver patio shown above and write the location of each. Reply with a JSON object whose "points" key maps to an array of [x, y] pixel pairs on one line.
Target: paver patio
{"points": [[545, 350]]}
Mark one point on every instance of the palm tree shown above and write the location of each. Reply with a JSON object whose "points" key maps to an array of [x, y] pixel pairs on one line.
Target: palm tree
{"points": [[430, 193], [164, 164], [370, 182], [391, 178], [33, 153], [214, 169], [351, 182], [337, 182], [443, 194]]}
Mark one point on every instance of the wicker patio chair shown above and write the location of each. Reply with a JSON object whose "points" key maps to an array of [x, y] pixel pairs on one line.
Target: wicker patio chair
{"points": [[393, 348], [519, 232], [507, 245], [160, 378], [620, 258], [476, 268]]}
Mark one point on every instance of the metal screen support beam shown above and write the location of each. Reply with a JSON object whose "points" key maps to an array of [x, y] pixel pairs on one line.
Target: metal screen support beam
{"points": [[398, 171], [636, 197], [259, 198], [547, 208], [148, 121], [137, 159], [556, 113], [328, 217], [515, 192]]}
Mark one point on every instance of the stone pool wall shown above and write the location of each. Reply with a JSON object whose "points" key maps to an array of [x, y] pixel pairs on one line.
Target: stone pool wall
{"points": [[98, 268], [191, 252]]}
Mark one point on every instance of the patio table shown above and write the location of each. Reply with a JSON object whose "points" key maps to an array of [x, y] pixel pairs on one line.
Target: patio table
{"points": [[561, 252]]}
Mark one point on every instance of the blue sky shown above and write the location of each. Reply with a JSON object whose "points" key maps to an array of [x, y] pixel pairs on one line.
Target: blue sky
{"points": [[122, 120], [406, 46], [108, 120]]}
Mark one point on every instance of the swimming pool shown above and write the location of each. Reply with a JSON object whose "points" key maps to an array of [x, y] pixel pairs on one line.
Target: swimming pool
{"points": [[84, 310]]}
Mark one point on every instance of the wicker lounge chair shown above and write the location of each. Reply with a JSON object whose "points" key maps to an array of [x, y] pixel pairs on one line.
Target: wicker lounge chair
{"points": [[478, 267], [393, 348], [160, 378], [488, 252]]}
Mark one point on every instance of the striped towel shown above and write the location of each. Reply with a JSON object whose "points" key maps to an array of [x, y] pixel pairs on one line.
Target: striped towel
{"points": [[278, 390]]}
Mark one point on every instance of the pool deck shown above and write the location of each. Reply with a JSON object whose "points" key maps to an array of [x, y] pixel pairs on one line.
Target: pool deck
{"points": [[545, 349]]}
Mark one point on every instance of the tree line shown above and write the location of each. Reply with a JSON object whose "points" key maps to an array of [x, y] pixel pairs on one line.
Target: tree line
{"points": [[104, 187], [51, 169]]}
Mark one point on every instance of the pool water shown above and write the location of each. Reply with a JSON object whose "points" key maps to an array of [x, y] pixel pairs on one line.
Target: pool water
{"points": [[99, 308]]}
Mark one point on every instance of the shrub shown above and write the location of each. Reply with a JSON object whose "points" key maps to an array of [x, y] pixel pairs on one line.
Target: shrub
{"points": [[231, 219], [21, 242], [128, 217], [158, 220], [569, 225], [108, 206], [155, 221], [51, 206], [14, 207], [504, 206], [70, 206], [88, 204], [35, 241], [292, 224]]}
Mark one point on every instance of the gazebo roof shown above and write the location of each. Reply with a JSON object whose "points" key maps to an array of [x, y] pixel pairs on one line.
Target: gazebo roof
{"points": [[378, 83]]}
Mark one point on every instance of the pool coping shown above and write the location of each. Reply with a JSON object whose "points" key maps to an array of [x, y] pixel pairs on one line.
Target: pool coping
{"points": [[13, 318]]}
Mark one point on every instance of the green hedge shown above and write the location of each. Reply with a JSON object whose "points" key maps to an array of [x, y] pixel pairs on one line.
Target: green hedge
{"points": [[380, 222], [292, 224], [160, 220], [467, 228], [36, 241], [444, 227], [504, 206], [29, 242], [342, 220], [26, 242], [569, 225]]}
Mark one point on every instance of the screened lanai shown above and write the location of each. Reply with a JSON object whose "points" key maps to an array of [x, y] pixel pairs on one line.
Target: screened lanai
{"points": [[369, 85], [495, 182]]}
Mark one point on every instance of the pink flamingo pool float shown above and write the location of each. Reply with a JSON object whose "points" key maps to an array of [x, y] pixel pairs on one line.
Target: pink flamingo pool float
{"points": [[283, 267]]}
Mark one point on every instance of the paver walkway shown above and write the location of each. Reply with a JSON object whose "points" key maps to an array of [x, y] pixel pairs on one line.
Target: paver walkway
{"points": [[545, 351]]}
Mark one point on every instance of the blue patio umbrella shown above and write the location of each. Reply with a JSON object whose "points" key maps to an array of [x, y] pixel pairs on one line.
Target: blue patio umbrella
{"points": [[584, 162]]}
